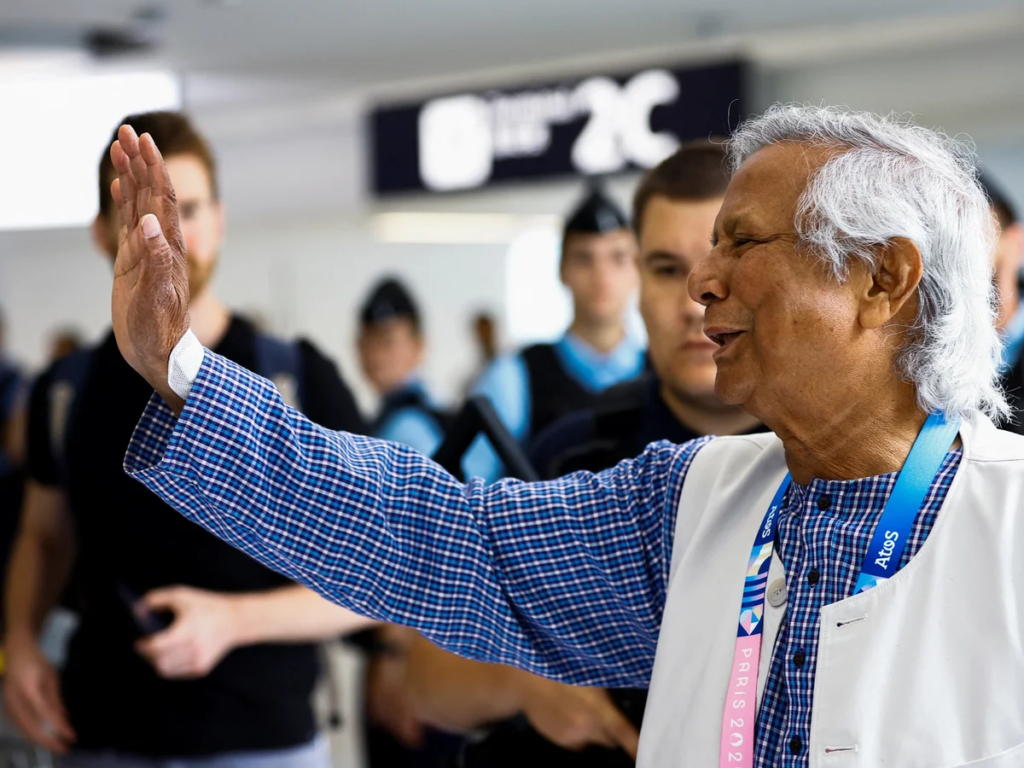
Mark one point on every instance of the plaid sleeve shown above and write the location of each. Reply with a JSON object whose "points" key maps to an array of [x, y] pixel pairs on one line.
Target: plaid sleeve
{"points": [[565, 578]]}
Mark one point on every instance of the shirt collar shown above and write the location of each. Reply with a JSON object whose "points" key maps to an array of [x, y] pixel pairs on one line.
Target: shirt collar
{"points": [[597, 371], [413, 383]]}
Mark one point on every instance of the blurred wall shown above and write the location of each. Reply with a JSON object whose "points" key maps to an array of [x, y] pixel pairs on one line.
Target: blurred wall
{"points": [[303, 278]]}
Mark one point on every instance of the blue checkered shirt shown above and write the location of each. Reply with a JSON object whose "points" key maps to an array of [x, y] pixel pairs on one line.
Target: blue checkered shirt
{"points": [[566, 579]]}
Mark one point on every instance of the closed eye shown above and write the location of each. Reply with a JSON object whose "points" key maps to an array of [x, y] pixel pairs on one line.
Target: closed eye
{"points": [[667, 270]]}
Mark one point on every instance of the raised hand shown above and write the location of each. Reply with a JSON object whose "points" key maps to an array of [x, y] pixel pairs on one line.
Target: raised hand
{"points": [[150, 298]]}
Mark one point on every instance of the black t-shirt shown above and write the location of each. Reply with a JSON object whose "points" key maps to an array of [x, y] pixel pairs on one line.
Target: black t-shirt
{"points": [[258, 697], [623, 421], [11, 480]]}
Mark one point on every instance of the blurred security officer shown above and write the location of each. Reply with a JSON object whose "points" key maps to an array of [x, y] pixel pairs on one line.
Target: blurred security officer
{"points": [[391, 351], [545, 381], [186, 649]]}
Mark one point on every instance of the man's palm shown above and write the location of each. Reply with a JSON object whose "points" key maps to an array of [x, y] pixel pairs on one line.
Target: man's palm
{"points": [[149, 304]]}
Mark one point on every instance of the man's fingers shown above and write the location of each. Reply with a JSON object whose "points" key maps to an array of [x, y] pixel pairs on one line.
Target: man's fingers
{"points": [[53, 708], [125, 193], [162, 599], [171, 642], [169, 655], [34, 718], [128, 140], [158, 178], [162, 201], [620, 729], [161, 643]]}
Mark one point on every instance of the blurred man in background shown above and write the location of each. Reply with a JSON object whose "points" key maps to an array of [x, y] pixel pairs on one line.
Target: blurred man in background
{"points": [[392, 350], [1006, 265], [186, 648], [484, 329], [674, 211], [531, 389]]}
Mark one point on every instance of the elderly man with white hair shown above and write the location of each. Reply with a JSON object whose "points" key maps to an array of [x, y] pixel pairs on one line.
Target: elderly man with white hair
{"points": [[843, 592]]}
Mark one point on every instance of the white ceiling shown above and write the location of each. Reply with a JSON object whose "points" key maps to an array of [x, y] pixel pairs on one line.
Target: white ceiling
{"points": [[359, 42]]}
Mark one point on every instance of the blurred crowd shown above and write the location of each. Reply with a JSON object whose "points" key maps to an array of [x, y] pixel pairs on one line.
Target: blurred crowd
{"points": [[185, 652]]}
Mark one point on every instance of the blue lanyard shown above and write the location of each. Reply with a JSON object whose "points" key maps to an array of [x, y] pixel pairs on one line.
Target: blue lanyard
{"points": [[880, 563], [891, 532]]}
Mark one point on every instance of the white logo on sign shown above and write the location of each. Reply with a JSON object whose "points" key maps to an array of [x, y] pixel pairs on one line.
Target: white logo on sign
{"points": [[456, 143], [641, 95]]}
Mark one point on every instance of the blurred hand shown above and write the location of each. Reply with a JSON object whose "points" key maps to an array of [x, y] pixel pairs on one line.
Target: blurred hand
{"points": [[389, 700], [149, 305], [32, 700], [203, 632], [574, 718]]}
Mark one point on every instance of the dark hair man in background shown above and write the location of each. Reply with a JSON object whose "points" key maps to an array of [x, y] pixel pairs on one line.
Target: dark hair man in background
{"points": [[186, 648], [533, 388], [674, 212], [1006, 265]]}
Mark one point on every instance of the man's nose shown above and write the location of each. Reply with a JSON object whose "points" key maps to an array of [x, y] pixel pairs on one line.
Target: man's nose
{"points": [[707, 281]]}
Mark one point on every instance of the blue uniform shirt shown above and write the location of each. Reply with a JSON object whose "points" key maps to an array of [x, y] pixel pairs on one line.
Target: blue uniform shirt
{"points": [[506, 383], [405, 422]]}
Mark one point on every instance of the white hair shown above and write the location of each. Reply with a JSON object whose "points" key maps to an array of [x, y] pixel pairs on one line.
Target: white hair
{"points": [[897, 179]]}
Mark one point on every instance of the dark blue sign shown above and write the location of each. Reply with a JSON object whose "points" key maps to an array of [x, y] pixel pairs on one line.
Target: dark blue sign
{"points": [[592, 126]]}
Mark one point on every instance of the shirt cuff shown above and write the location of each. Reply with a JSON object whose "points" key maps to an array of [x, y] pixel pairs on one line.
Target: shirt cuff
{"points": [[184, 364]]}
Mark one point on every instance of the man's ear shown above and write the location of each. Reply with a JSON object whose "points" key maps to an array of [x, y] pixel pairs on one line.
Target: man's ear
{"points": [[891, 290], [103, 236]]}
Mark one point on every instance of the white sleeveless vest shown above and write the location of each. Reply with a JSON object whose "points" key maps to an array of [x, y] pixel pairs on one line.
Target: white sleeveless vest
{"points": [[930, 671]]}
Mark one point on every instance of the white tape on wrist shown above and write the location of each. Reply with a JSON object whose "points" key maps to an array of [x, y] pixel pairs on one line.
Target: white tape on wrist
{"points": [[184, 363]]}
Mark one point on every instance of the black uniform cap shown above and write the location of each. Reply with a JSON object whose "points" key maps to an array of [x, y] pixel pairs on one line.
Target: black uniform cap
{"points": [[595, 215], [389, 299]]}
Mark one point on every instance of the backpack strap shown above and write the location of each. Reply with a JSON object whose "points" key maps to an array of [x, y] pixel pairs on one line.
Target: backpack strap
{"points": [[67, 384], [417, 399], [619, 409], [281, 362]]}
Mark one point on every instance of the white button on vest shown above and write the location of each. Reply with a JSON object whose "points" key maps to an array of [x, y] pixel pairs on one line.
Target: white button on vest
{"points": [[777, 593]]}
